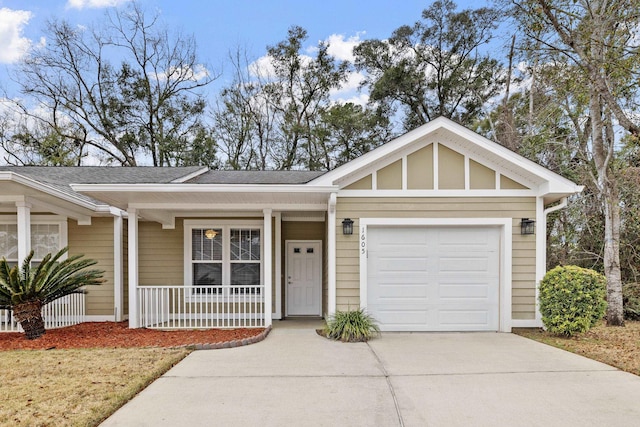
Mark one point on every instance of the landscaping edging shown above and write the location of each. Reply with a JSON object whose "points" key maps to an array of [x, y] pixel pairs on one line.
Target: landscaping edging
{"points": [[231, 344]]}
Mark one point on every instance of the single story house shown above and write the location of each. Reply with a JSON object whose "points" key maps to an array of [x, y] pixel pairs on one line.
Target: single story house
{"points": [[437, 230]]}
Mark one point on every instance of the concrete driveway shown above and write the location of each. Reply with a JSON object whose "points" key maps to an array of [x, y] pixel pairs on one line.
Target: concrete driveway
{"points": [[296, 378]]}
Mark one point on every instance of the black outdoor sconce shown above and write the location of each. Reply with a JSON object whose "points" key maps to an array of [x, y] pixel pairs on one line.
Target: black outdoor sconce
{"points": [[347, 226], [527, 226]]}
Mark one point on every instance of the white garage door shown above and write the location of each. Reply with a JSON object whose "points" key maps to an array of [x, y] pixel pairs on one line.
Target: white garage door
{"points": [[434, 278]]}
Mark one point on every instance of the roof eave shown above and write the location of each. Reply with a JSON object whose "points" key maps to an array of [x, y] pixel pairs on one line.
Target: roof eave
{"points": [[39, 186]]}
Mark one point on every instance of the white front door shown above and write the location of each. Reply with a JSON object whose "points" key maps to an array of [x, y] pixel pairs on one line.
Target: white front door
{"points": [[304, 278]]}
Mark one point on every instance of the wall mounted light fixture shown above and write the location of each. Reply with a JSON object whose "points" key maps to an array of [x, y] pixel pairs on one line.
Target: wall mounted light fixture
{"points": [[347, 226], [527, 226]]}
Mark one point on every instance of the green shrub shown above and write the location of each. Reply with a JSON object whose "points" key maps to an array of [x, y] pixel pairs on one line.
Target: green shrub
{"points": [[572, 299], [631, 301], [351, 326]]}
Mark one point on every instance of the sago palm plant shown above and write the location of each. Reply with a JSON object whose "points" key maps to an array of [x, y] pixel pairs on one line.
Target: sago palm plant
{"points": [[24, 290]]}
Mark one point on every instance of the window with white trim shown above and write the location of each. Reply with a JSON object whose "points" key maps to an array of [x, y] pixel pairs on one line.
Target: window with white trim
{"points": [[47, 236], [223, 258]]}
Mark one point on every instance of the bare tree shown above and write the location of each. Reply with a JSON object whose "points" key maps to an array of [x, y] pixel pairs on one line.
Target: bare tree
{"points": [[148, 105]]}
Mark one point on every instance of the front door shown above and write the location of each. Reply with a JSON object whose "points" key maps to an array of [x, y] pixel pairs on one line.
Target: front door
{"points": [[304, 278]]}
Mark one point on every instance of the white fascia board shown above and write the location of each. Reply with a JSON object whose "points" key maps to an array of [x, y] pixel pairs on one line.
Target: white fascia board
{"points": [[217, 207], [504, 152], [36, 185], [203, 188], [191, 175]]}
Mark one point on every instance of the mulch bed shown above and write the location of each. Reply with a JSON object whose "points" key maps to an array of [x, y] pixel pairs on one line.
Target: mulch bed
{"points": [[118, 335]]}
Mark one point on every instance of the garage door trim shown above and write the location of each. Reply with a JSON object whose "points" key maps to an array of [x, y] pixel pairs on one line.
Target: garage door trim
{"points": [[505, 226]]}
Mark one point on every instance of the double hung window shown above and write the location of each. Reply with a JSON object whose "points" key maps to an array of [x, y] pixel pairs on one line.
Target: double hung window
{"points": [[223, 258], [47, 236]]}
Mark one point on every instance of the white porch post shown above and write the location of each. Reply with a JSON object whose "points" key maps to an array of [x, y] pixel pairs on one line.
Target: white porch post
{"points": [[133, 267], [278, 265], [331, 249], [268, 260], [24, 230], [118, 290]]}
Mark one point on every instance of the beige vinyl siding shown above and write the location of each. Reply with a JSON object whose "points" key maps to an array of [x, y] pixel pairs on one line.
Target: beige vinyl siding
{"points": [[362, 184], [390, 177], [95, 241], [420, 169], [450, 169], [348, 261], [160, 254], [509, 184], [304, 230], [481, 177]]}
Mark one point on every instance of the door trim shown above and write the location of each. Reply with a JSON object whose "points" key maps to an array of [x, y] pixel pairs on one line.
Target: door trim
{"points": [[286, 273]]}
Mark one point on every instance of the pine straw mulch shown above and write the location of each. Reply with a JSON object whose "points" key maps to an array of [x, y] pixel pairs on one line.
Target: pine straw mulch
{"points": [[118, 335]]}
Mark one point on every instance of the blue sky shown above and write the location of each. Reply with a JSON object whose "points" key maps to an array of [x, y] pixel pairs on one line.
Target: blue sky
{"points": [[219, 25]]}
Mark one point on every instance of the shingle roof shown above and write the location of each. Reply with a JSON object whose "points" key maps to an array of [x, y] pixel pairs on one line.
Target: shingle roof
{"points": [[102, 174], [60, 178], [255, 177]]}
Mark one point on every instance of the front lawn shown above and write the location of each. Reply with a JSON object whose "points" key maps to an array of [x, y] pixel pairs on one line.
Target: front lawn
{"points": [[77, 387], [619, 347]]}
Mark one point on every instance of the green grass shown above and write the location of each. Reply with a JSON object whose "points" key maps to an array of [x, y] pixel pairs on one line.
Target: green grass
{"points": [[76, 387]]}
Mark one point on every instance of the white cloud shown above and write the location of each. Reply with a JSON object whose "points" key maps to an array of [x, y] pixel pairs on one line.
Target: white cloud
{"points": [[341, 48], [348, 92], [12, 23], [185, 73], [94, 4]]}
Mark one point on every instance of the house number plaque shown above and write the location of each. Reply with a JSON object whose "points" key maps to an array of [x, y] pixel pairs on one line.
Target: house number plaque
{"points": [[363, 241]]}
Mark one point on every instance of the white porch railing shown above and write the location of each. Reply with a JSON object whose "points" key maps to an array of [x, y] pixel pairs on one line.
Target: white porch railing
{"points": [[65, 311], [201, 307]]}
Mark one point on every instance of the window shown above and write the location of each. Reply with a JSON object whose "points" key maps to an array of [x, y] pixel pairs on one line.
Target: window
{"points": [[48, 235], [223, 258]]}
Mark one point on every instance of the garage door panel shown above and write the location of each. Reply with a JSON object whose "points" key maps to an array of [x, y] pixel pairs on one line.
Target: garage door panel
{"points": [[403, 293], [464, 264], [401, 264], [446, 280], [464, 319], [465, 291]]}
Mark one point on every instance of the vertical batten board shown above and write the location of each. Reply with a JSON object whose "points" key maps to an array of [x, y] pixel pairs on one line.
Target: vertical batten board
{"points": [[436, 169], [404, 172], [467, 178]]}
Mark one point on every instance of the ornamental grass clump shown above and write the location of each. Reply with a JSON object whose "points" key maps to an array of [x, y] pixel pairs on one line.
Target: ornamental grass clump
{"points": [[572, 299], [351, 326]]}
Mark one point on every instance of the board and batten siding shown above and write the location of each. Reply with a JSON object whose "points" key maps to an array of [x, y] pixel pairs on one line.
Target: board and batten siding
{"points": [[95, 241], [524, 247]]}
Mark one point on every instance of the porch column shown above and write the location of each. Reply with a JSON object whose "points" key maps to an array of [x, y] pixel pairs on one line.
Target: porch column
{"points": [[331, 260], [268, 260], [134, 322], [278, 265], [24, 230], [118, 290]]}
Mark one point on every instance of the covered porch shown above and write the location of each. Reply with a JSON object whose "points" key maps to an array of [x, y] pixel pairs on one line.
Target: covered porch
{"points": [[202, 255]]}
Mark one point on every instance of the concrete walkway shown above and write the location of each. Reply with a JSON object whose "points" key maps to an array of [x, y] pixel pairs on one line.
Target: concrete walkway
{"points": [[296, 378]]}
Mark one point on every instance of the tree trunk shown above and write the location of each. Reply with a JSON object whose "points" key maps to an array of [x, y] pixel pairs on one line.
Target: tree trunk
{"points": [[615, 309], [29, 314]]}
